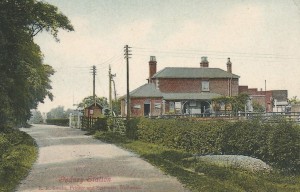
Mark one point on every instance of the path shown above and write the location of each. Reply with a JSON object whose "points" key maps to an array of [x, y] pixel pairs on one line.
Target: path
{"points": [[71, 161]]}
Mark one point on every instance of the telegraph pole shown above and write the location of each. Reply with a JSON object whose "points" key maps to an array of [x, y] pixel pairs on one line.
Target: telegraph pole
{"points": [[266, 101], [109, 83], [94, 74], [127, 56], [115, 89], [110, 77]]}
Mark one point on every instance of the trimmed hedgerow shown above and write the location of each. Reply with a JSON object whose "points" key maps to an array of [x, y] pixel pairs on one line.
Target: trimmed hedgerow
{"points": [[131, 128], [59, 122], [275, 143], [198, 137]]}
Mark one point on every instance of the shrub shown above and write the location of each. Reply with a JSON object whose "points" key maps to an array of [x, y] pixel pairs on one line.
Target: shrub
{"points": [[59, 122], [100, 124], [132, 127], [198, 137], [4, 144], [245, 138], [17, 153], [283, 144], [274, 143]]}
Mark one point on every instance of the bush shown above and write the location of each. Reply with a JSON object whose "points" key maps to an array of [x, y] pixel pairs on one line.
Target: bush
{"points": [[58, 122], [245, 138], [283, 144], [4, 144], [275, 143], [132, 127], [100, 124], [18, 152], [198, 137]]}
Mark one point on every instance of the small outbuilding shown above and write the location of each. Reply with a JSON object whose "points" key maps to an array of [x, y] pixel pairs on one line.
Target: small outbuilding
{"points": [[93, 111]]}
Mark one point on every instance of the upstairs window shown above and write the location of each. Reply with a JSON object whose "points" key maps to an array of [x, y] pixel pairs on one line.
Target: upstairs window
{"points": [[205, 86]]}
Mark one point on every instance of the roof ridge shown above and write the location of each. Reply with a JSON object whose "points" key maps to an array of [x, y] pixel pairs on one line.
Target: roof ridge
{"points": [[160, 71], [193, 71]]}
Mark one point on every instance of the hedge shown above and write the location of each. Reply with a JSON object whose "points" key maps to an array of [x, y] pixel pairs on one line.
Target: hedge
{"points": [[275, 143], [100, 124], [18, 152], [59, 122]]}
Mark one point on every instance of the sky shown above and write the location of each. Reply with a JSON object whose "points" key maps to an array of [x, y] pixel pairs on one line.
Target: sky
{"points": [[262, 39]]}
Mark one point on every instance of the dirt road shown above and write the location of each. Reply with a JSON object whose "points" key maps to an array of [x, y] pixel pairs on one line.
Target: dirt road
{"points": [[71, 161]]}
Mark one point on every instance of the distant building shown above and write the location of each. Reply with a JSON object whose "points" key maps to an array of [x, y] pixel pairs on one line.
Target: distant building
{"points": [[181, 90], [93, 111], [272, 100], [295, 108]]}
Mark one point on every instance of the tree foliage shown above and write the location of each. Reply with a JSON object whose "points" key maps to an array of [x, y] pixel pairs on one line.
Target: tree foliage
{"points": [[24, 78], [237, 102], [57, 113], [60, 113], [258, 107], [89, 100], [36, 117], [116, 104], [294, 100]]}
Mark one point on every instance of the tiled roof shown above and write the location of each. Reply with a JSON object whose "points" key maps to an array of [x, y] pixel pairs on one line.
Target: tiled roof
{"points": [[149, 90], [185, 72], [190, 96], [146, 90]]}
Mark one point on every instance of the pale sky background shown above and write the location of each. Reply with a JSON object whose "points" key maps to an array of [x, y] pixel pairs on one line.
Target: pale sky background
{"points": [[262, 38]]}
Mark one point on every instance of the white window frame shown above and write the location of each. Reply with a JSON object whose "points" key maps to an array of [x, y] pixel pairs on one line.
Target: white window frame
{"points": [[205, 85]]}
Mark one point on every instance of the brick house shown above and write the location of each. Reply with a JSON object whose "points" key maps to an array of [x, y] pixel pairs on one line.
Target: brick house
{"points": [[272, 100], [181, 90]]}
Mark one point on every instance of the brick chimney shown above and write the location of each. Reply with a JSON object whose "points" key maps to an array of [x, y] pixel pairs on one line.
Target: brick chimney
{"points": [[229, 66], [152, 67], [204, 62]]}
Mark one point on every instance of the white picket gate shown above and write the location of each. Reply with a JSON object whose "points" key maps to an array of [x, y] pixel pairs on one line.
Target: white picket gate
{"points": [[75, 120]]}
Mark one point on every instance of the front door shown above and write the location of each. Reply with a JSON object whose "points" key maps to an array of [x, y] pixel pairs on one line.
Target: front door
{"points": [[146, 109]]}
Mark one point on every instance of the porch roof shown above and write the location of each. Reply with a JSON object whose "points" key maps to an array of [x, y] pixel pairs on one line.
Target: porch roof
{"points": [[190, 96]]}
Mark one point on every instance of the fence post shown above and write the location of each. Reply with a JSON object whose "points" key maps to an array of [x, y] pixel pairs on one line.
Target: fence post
{"points": [[78, 121], [70, 120]]}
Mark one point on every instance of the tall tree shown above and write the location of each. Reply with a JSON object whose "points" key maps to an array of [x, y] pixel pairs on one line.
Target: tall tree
{"points": [[88, 101], [36, 117], [57, 113], [24, 78]]}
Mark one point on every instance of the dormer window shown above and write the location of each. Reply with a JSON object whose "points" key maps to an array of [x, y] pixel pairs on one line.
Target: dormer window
{"points": [[205, 85]]}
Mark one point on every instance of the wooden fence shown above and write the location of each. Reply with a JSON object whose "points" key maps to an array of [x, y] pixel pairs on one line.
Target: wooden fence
{"points": [[88, 122]]}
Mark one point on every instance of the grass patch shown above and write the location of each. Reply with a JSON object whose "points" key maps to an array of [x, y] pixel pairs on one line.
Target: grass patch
{"points": [[202, 176], [18, 152]]}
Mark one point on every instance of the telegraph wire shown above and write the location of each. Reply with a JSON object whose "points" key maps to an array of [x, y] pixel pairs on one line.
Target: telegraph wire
{"points": [[196, 51], [212, 53]]}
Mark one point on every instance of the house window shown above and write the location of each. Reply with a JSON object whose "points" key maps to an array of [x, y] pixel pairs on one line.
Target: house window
{"points": [[157, 105], [137, 106], [205, 85]]}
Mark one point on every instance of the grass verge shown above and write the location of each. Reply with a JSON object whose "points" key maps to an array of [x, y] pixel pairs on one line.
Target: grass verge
{"points": [[18, 152], [203, 176]]}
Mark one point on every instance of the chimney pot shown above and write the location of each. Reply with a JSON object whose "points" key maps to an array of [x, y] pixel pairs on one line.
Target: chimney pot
{"points": [[152, 58], [204, 62]]}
